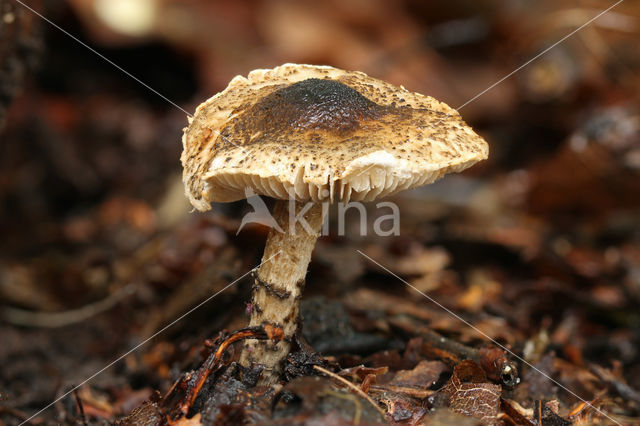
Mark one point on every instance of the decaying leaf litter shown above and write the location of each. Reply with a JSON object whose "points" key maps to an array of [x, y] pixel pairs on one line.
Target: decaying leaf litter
{"points": [[538, 249]]}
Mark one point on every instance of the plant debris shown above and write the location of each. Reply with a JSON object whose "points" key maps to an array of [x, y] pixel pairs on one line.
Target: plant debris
{"points": [[119, 306]]}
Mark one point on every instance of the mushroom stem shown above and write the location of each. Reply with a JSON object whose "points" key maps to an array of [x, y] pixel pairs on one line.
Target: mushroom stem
{"points": [[279, 283]]}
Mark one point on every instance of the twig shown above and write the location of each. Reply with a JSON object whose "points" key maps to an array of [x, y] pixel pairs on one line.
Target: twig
{"points": [[352, 387], [23, 417], [416, 393], [80, 407], [613, 382], [60, 319]]}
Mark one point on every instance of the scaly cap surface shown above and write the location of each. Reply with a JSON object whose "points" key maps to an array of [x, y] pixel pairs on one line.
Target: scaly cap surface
{"points": [[320, 133]]}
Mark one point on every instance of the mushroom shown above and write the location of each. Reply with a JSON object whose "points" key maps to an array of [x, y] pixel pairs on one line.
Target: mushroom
{"points": [[307, 135]]}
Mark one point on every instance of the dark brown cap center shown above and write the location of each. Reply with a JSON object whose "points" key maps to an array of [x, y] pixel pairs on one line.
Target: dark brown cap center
{"points": [[314, 104]]}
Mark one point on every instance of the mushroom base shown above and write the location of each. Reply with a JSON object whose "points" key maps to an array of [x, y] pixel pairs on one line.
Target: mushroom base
{"points": [[280, 281]]}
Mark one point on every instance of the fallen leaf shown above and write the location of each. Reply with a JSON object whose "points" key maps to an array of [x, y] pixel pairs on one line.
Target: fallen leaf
{"points": [[468, 392], [423, 376]]}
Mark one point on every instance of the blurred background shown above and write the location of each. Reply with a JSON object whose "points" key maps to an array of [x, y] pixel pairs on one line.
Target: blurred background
{"points": [[99, 248]]}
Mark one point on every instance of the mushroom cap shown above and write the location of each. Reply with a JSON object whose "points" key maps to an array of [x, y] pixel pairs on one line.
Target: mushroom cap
{"points": [[318, 133]]}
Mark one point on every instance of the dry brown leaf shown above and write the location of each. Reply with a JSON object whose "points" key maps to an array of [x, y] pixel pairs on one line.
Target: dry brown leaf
{"points": [[468, 392], [423, 376]]}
